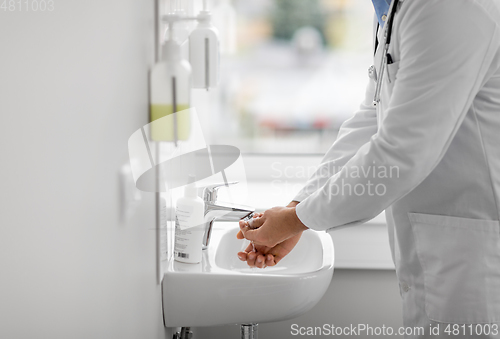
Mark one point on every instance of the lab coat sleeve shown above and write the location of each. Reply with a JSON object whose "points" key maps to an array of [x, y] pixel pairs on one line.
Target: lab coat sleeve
{"points": [[446, 49], [353, 133]]}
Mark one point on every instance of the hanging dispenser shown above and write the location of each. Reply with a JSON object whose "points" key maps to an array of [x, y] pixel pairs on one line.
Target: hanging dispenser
{"points": [[170, 90], [204, 51], [180, 9]]}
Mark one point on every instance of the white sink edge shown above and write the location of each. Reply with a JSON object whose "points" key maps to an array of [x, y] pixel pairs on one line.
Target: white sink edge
{"points": [[218, 231], [235, 294]]}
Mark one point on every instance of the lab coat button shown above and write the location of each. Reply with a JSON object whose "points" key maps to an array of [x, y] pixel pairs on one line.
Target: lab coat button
{"points": [[405, 287], [372, 73]]}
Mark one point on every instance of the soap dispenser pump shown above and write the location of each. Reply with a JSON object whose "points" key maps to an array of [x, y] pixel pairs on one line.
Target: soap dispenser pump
{"points": [[204, 51]]}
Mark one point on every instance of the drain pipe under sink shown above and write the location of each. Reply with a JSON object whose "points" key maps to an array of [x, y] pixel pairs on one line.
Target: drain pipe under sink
{"points": [[185, 333], [249, 331]]}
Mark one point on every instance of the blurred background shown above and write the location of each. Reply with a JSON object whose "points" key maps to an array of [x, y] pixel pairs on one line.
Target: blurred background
{"points": [[291, 72]]}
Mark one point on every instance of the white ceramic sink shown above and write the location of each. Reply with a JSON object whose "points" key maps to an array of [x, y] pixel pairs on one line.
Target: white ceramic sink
{"points": [[224, 290]]}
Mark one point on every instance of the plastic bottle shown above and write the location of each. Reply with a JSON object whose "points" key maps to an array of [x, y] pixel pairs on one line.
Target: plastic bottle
{"points": [[204, 52], [189, 226], [170, 93]]}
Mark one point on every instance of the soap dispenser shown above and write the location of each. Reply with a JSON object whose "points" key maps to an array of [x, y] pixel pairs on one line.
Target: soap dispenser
{"points": [[170, 92], [189, 225], [204, 51]]}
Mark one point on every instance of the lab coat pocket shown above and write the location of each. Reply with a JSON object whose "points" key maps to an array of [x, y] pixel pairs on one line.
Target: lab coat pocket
{"points": [[460, 259], [392, 71]]}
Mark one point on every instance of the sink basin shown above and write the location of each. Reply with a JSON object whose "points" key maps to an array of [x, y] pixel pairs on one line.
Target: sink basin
{"points": [[224, 290]]}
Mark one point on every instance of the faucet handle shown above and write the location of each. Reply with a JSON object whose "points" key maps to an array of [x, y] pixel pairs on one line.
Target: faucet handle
{"points": [[210, 191]]}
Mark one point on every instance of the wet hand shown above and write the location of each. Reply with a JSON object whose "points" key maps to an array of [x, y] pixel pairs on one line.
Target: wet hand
{"points": [[273, 227], [268, 256]]}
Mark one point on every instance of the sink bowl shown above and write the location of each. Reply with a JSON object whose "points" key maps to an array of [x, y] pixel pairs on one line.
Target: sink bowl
{"points": [[224, 290]]}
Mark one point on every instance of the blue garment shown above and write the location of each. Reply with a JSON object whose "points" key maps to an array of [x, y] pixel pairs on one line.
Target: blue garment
{"points": [[381, 9]]}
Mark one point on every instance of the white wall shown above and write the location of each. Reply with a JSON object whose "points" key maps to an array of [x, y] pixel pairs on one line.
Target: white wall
{"points": [[73, 88]]}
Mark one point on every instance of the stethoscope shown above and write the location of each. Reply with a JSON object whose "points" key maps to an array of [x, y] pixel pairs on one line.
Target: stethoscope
{"points": [[386, 57]]}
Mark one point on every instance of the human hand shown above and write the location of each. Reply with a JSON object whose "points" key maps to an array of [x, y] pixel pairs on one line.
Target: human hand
{"points": [[273, 227], [258, 215], [261, 256], [268, 256]]}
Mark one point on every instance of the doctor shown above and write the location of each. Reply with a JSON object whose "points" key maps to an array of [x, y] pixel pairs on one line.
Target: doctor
{"points": [[429, 150]]}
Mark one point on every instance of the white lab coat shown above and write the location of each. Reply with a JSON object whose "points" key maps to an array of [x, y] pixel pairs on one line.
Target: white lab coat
{"points": [[438, 128]]}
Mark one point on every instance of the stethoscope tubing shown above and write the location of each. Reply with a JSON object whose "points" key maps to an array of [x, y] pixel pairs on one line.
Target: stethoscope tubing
{"points": [[385, 47]]}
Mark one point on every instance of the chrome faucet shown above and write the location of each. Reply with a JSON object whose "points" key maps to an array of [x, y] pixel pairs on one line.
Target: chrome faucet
{"points": [[221, 211]]}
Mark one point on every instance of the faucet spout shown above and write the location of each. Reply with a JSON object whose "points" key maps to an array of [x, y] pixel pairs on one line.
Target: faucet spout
{"points": [[223, 212], [226, 212]]}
